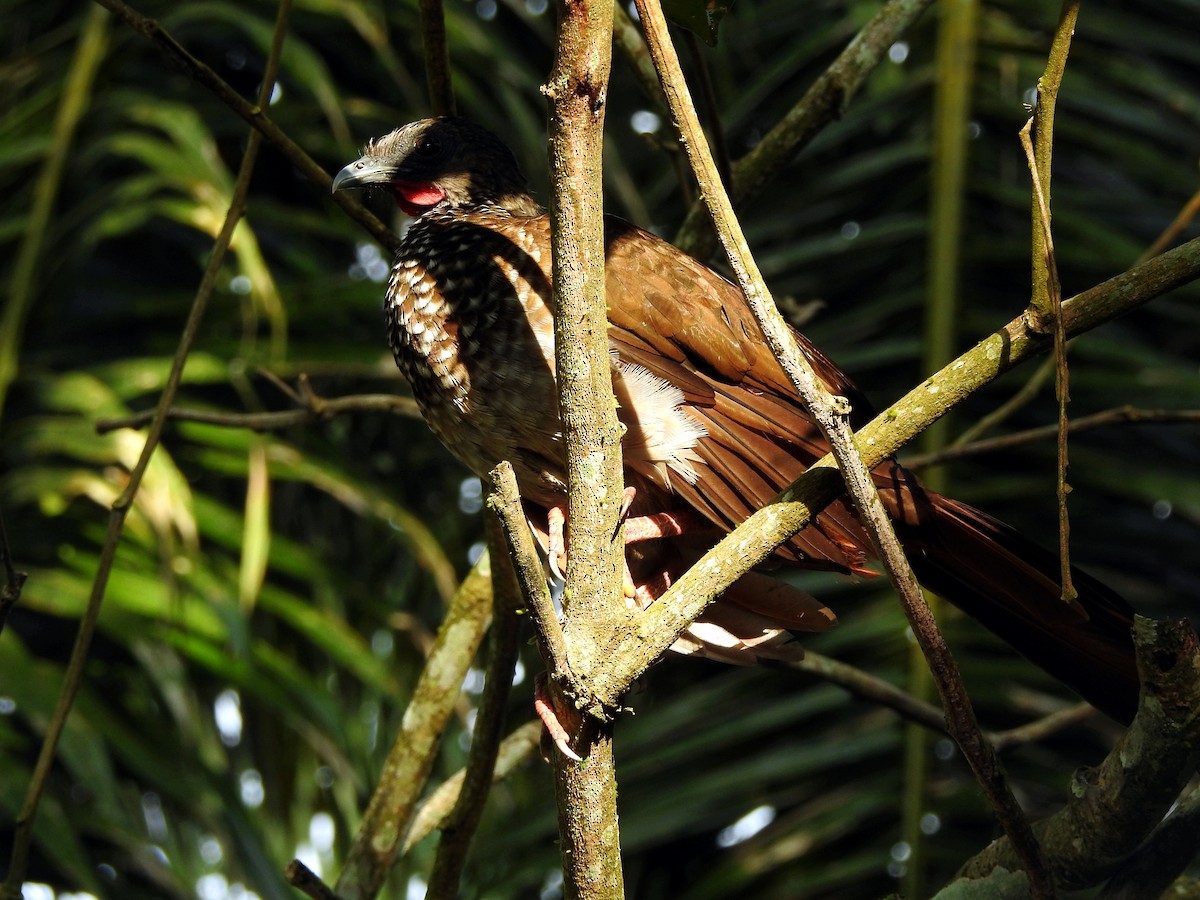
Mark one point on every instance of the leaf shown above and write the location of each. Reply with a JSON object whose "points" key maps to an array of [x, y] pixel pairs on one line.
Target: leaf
{"points": [[701, 17]]}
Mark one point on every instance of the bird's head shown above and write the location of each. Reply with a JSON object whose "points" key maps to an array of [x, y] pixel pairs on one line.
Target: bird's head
{"points": [[443, 163]]}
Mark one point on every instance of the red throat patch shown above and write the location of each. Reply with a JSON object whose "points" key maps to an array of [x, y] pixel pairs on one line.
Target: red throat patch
{"points": [[416, 198]]}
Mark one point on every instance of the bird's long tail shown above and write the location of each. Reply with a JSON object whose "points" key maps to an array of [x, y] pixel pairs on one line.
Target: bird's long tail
{"points": [[1011, 586]]}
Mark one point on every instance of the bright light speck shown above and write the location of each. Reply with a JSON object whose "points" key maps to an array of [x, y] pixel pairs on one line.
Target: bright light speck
{"points": [[645, 122], [321, 832], [746, 827], [252, 789], [898, 52], [227, 711]]}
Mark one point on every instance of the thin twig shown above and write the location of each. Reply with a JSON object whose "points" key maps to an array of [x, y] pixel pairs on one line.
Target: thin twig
{"points": [[505, 502], [437, 57], [303, 879], [1119, 416], [1046, 302], [73, 679], [1042, 728], [10, 594], [873, 689], [316, 409], [253, 115], [459, 829], [436, 808]]}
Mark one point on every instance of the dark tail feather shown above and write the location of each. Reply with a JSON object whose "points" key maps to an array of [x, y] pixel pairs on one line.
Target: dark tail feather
{"points": [[1011, 586]]}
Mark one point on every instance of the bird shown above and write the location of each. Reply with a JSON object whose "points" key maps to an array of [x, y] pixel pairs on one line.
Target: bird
{"points": [[713, 428]]}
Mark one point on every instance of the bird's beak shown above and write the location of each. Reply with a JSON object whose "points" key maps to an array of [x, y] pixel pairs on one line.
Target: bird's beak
{"points": [[363, 172]]}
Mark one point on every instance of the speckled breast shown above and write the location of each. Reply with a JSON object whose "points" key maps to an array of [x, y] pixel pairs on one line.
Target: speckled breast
{"points": [[469, 324]]}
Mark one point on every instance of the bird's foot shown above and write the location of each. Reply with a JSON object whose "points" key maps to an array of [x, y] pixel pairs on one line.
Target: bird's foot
{"points": [[637, 529], [543, 705]]}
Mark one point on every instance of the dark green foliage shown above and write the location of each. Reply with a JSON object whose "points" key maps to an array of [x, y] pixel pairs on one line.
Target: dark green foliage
{"points": [[318, 620]]}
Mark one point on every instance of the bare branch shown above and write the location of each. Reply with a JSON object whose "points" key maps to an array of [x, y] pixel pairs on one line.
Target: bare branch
{"points": [[316, 409], [23, 834], [253, 115], [1119, 416]]}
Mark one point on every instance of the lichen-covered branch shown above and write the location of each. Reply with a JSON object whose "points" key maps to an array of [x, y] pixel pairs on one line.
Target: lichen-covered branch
{"points": [[578, 92], [756, 538], [1114, 806], [406, 769]]}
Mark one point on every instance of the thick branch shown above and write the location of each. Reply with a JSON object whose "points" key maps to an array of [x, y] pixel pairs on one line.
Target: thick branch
{"points": [[578, 89], [1115, 805]]}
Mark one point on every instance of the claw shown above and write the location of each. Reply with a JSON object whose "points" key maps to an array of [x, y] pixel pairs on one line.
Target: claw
{"points": [[544, 708], [556, 542], [662, 525], [627, 499]]}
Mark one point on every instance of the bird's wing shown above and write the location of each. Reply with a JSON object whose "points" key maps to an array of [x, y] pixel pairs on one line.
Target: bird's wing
{"points": [[687, 325]]}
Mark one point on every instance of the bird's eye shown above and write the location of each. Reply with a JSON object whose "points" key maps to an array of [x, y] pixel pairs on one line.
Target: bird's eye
{"points": [[428, 148]]}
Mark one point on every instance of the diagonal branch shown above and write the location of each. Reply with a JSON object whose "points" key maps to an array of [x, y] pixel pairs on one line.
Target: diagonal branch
{"points": [[757, 537], [823, 103], [253, 115], [409, 761], [23, 835], [831, 416]]}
